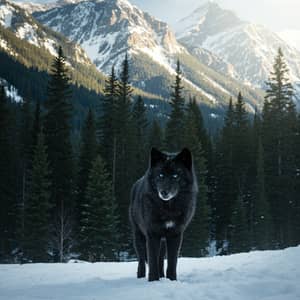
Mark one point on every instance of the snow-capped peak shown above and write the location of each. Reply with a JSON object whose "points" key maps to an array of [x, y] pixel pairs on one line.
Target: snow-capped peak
{"points": [[107, 28], [248, 47], [210, 12], [16, 19], [291, 36], [6, 13]]}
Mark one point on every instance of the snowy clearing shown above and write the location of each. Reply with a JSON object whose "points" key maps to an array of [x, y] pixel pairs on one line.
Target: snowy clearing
{"points": [[266, 275]]}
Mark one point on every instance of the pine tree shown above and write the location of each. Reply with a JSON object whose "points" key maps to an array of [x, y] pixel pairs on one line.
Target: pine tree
{"points": [[197, 237], [25, 159], [123, 154], [233, 169], [175, 125], [226, 190], [140, 126], [252, 181], [279, 123], [261, 211], [239, 235], [37, 124], [7, 175], [195, 113], [241, 146], [32, 141], [198, 233], [57, 125], [296, 218], [255, 138], [155, 138], [107, 122], [99, 238], [241, 140], [88, 153], [25, 131], [37, 207], [242, 154]]}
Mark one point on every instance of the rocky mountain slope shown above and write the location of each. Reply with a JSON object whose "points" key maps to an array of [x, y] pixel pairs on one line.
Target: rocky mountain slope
{"points": [[20, 31], [26, 28], [107, 29], [248, 48]]}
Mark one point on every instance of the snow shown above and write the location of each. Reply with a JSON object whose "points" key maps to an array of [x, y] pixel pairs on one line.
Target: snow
{"points": [[258, 47], [6, 15], [10, 91], [193, 21], [50, 45], [215, 84], [28, 32], [27, 29], [209, 96], [3, 44], [265, 275], [249, 48], [291, 36], [126, 4], [106, 44], [151, 106], [92, 46]]}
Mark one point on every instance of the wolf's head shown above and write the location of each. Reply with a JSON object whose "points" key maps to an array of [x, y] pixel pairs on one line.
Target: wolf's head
{"points": [[170, 173]]}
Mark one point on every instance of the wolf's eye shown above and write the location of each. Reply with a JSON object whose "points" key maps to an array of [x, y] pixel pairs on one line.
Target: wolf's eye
{"points": [[175, 176], [161, 175]]}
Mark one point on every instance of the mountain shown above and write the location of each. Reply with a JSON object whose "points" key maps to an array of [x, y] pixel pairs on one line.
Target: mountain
{"points": [[291, 36], [27, 50], [35, 45], [27, 28], [25, 41], [107, 29], [248, 48], [32, 7]]}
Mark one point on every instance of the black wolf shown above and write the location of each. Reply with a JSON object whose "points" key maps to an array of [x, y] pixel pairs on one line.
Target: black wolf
{"points": [[162, 204]]}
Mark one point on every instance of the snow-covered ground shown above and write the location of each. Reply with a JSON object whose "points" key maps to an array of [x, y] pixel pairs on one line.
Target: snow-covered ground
{"points": [[267, 275]]}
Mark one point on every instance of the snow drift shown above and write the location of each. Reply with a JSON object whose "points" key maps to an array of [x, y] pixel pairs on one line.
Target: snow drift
{"points": [[259, 275]]}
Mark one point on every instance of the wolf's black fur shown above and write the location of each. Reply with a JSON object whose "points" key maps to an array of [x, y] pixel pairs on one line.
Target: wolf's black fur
{"points": [[163, 202]]}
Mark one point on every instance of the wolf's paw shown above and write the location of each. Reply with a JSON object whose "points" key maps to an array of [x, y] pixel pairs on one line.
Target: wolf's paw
{"points": [[171, 276], [153, 277]]}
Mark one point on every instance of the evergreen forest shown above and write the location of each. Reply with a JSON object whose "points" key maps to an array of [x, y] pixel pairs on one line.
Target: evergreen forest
{"points": [[65, 180]]}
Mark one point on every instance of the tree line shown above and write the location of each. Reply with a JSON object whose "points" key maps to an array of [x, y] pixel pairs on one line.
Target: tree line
{"points": [[64, 196]]}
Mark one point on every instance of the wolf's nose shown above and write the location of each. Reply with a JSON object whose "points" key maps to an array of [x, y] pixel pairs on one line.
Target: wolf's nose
{"points": [[164, 194]]}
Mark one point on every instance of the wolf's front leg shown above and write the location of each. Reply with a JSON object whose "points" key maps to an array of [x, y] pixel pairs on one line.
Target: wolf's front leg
{"points": [[153, 246], [173, 248], [140, 248]]}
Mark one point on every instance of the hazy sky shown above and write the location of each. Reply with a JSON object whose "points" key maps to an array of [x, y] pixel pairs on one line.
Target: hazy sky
{"points": [[276, 14]]}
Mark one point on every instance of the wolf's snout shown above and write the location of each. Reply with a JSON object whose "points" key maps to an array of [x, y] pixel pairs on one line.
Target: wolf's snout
{"points": [[164, 194]]}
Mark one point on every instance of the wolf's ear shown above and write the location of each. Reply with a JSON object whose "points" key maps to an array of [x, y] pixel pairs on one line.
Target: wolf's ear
{"points": [[185, 156], [156, 156]]}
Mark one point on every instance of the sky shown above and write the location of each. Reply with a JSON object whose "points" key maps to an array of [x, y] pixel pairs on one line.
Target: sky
{"points": [[277, 15]]}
